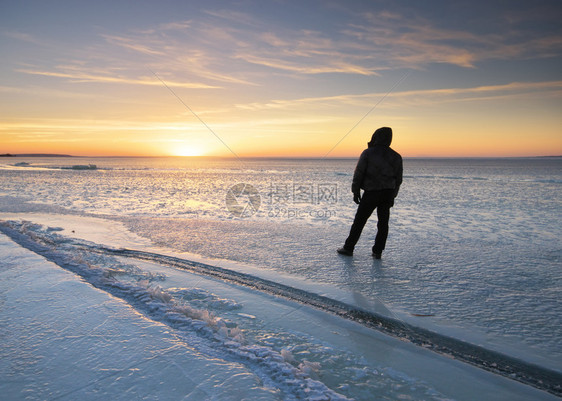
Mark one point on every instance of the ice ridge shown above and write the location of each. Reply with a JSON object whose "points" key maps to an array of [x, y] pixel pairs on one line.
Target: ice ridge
{"points": [[214, 335], [490, 360]]}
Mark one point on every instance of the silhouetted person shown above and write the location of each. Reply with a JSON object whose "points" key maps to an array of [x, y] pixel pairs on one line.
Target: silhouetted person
{"points": [[379, 174]]}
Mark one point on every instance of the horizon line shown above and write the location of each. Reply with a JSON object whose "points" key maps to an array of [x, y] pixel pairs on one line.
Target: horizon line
{"points": [[263, 157]]}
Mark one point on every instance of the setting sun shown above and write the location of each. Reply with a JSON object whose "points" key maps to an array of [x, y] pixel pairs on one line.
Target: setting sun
{"points": [[187, 150]]}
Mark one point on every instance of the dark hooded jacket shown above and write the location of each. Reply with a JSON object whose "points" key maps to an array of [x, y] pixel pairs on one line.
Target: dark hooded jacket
{"points": [[379, 167]]}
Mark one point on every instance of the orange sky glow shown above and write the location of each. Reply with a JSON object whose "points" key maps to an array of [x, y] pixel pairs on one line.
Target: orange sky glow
{"points": [[225, 80]]}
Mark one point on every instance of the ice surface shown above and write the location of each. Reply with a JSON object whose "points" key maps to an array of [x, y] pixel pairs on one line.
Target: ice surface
{"points": [[285, 351], [63, 339], [475, 244]]}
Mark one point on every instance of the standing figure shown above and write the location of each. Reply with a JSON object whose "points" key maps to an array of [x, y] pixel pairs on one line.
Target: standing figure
{"points": [[379, 175]]}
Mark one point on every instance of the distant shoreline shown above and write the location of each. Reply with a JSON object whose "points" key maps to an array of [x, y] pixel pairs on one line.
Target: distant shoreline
{"points": [[36, 155]]}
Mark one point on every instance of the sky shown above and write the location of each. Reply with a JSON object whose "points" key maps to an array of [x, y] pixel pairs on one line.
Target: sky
{"points": [[280, 78]]}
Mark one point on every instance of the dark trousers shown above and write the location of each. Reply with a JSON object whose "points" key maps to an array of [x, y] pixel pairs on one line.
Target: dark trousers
{"points": [[381, 200]]}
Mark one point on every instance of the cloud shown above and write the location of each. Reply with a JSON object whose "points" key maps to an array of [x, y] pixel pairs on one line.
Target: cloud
{"points": [[414, 41], [319, 68], [303, 52], [175, 26], [364, 44], [235, 17], [415, 46], [131, 44], [483, 93], [228, 50], [478, 93], [80, 127], [25, 37], [75, 76], [43, 91], [169, 53]]}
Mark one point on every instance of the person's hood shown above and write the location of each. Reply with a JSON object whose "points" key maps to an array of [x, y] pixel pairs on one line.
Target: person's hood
{"points": [[382, 137]]}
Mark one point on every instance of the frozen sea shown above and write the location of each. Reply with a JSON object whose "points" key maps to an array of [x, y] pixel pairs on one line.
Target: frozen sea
{"points": [[473, 255]]}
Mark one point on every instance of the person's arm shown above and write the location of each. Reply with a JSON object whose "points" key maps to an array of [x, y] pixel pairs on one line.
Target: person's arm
{"points": [[399, 174], [358, 176]]}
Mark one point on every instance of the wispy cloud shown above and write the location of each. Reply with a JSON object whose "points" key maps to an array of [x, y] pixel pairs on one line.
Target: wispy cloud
{"points": [[478, 93], [169, 53], [75, 76], [367, 43], [224, 47], [132, 44], [235, 17], [415, 42], [81, 127], [44, 91], [299, 67], [25, 37], [229, 48], [238, 46]]}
